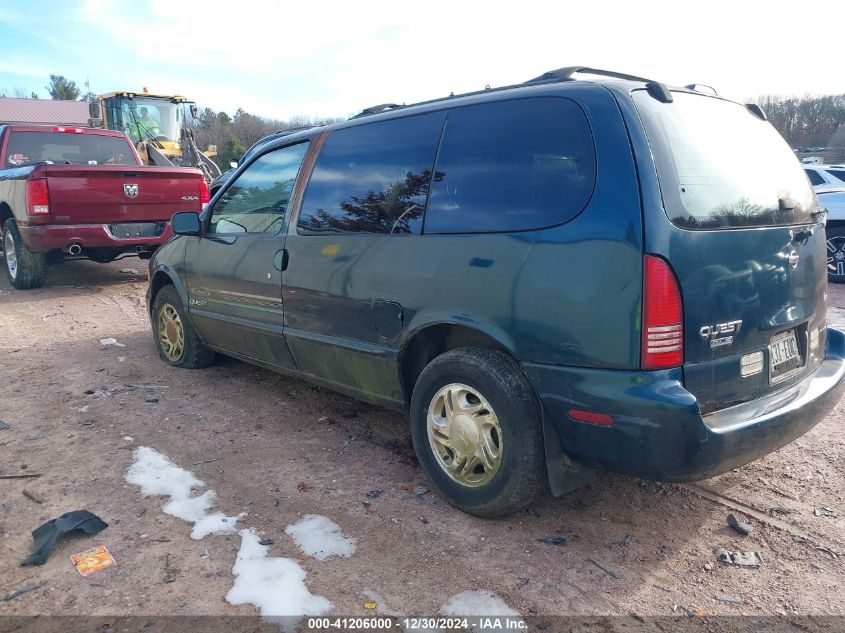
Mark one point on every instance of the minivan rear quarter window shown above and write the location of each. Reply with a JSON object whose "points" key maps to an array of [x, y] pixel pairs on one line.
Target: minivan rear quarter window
{"points": [[373, 178], [720, 166], [511, 166]]}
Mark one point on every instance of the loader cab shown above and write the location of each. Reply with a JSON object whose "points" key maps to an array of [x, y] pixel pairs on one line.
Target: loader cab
{"points": [[146, 118]]}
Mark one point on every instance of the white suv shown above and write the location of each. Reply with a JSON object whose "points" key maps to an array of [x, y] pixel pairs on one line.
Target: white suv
{"points": [[824, 177]]}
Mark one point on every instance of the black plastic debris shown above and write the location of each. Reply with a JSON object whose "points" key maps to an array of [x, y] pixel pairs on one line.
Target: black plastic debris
{"points": [[47, 535], [553, 540]]}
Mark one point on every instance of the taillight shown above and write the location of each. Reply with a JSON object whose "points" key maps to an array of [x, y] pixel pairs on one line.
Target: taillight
{"points": [[37, 197], [205, 194], [663, 316]]}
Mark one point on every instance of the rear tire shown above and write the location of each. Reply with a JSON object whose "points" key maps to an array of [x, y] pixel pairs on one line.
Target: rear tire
{"points": [[24, 269], [176, 340], [476, 406], [836, 254]]}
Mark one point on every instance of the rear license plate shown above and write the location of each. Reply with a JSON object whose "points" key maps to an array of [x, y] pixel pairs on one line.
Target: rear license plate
{"points": [[784, 355], [135, 230]]}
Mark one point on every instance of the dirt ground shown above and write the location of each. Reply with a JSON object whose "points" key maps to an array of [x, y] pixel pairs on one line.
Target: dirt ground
{"points": [[278, 448]]}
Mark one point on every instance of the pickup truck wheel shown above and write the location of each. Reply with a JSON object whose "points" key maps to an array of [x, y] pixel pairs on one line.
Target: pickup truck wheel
{"points": [[836, 254], [477, 429], [177, 342], [24, 268]]}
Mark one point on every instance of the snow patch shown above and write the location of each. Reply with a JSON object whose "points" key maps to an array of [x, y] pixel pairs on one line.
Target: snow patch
{"points": [[476, 605], [111, 341], [275, 585], [158, 476], [320, 537]]}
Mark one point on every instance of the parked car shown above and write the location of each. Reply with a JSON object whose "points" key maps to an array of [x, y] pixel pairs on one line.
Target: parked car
{"points": [[550, 278], [83, 192], [826, 177]]}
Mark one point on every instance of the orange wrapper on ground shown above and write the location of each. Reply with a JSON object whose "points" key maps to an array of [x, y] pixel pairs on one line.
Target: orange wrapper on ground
{"points": [[92, 560]]}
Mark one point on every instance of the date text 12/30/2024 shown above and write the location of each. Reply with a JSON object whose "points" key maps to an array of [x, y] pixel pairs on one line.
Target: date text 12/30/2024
{"points": [[410, 624]]}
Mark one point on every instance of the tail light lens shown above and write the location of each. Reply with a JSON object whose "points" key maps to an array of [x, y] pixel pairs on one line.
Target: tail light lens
{"points": [[205, 194], [663, 316], [37, 197]]}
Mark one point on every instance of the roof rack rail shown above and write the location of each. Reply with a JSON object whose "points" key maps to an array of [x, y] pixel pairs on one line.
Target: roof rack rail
{"points": [[656, 89], [293, 129], [565, 73], [702, 88], [382, 107]]}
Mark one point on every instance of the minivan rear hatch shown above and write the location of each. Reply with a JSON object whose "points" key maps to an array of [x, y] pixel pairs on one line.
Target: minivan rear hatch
{"points": [[745, 241]]}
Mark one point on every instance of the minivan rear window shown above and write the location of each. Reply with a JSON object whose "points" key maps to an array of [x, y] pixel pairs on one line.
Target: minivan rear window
{"points": [[28, 148], [512, 166], [722, 167]]}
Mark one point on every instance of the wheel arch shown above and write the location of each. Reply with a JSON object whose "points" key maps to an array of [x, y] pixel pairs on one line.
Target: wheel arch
{"points": [[5, 212], [427, 342], [161, 277]]}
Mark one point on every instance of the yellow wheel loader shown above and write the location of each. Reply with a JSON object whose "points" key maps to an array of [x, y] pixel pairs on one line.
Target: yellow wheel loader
{"points": [[159, 126]]}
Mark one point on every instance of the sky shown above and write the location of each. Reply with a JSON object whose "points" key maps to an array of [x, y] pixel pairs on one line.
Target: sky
{"points": [[279, 59]]}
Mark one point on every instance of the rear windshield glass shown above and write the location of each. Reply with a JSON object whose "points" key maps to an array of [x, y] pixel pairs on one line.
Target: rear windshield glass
{"points": [[65, 148], [720, 166]]}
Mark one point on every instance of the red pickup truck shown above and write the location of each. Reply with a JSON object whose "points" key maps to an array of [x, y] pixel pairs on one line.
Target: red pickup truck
{"points": [[83, 192]]}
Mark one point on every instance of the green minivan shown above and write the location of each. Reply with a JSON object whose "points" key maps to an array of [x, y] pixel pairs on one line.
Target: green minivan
{"points": [[552, 277]]}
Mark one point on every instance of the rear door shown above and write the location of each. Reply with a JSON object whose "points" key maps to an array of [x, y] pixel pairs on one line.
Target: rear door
{"points": [[745, 243], [233, 270]]}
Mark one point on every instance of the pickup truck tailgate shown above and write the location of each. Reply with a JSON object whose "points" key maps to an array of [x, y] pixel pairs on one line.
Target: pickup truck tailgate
{"points": [[120, 194]]}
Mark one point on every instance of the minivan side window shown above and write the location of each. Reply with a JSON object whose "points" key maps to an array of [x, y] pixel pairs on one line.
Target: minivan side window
{"points": [[512, 165], [373, 178], [257, 200]]}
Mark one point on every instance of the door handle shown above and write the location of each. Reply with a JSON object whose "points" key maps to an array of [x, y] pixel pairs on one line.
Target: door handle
{"points": [[280, 259]]}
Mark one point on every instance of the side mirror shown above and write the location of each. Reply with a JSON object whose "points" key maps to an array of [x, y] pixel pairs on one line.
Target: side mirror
{"points": [[186, 223], [94, 109], [194, 111], [233, 164]]}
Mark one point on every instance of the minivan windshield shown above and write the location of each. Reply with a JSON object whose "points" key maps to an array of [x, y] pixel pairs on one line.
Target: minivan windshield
{"points": [[720, 166]]}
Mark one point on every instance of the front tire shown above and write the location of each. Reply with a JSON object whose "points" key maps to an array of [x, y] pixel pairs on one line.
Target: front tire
{"points": [[836, 254], [476, 424], [176, 340], [24, 269]]}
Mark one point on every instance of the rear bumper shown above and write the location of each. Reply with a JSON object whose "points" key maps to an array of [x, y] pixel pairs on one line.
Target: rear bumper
{"points": [[658, 430], [41, 239]]}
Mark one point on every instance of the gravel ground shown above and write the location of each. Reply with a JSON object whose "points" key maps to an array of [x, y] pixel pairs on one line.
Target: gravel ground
{"points": [[277, 449]]}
